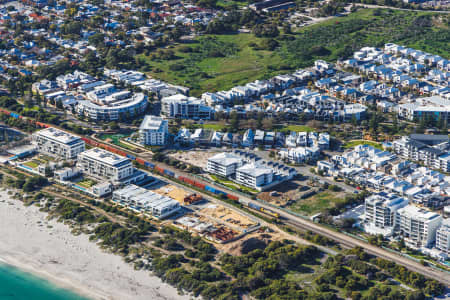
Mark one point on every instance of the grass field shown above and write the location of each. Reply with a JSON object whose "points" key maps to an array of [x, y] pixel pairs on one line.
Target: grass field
{"points": [[87, 183], [215, 126], [297, 128], [114, 137], [362, 142], [329, 40], [317, 202], [219, 73]]}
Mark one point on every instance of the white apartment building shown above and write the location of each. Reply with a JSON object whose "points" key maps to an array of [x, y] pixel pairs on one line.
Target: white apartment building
{"points": [[429, 107], [381, 215], [418, 226], [106, 165], [153, 131], [443, 237], [407, 148], [181, 106], [254, 176], [58, 143], [432, 150], [143, 200], [300, 154], [113, 108], [224, 164]]}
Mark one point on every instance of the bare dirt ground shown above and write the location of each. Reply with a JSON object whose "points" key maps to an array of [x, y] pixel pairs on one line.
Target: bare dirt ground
{"points": [[282, 194], [195, 158]]}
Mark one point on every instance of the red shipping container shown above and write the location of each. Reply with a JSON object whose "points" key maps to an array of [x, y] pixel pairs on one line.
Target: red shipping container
{"points": [[190, 181], [140, 161], [232, 197], [199, 185]]}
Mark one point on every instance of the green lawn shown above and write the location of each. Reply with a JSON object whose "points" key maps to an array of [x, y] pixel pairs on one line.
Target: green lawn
{"points": [[114, 137], [87, 183], [212, 126], [362, 142], [316, 203], [233, 185], [297, 128], [32, 164], [329, 40]]}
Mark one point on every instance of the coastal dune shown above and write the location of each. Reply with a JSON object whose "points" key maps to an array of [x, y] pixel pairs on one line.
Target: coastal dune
{"points": [[48, 249]]}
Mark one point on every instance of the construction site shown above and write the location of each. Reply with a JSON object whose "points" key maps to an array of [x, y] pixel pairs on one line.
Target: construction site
{"points": [[288, 192], [217, 223], [194, 158], [181, 195]]}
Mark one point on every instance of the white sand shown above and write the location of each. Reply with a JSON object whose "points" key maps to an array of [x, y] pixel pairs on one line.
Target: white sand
{"points": [[71, 261]]}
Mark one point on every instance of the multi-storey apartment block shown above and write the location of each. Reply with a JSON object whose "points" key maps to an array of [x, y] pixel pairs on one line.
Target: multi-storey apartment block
{"points": [[224, 164], [153, 131], [254, 176], [106, 165], [443, 238], [58, 143], [418, 226], [381, 215], [180, 106]]}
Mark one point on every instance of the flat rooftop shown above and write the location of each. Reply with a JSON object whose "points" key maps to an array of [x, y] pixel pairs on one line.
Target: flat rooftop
{"points": [[59, 136], [106, 157], [225, 159], [152, 123], [255, 170]]}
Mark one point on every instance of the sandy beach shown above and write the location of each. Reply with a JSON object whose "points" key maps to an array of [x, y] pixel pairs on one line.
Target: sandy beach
{"points": [[49, 249]]}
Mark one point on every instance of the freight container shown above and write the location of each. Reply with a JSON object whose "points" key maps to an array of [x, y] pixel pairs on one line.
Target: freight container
{"points": [[170, 173], [149, 164], [199, 185], [160, 170], [140, 161], [210, 189], [254, 206], [189, 181], [232, 197], [14, 115], [243, 202], [130, 156]]}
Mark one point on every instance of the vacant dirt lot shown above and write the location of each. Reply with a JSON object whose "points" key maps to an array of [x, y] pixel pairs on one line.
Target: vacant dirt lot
{"points": [[286, 192], [195, 158]]}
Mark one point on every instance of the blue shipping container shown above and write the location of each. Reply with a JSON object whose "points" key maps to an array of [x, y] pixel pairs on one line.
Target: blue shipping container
{"points": [[149, 164], [14, 115], [210, 189], [254, 206], [170, 173], [131, 157], [220, 192]]}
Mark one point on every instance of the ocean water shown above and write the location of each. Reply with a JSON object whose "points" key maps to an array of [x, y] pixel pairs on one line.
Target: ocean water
{"points": [[16, 284]]}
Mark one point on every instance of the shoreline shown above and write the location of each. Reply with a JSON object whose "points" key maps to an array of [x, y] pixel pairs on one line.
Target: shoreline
{"points": [[65, 283], [48, 249]]}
